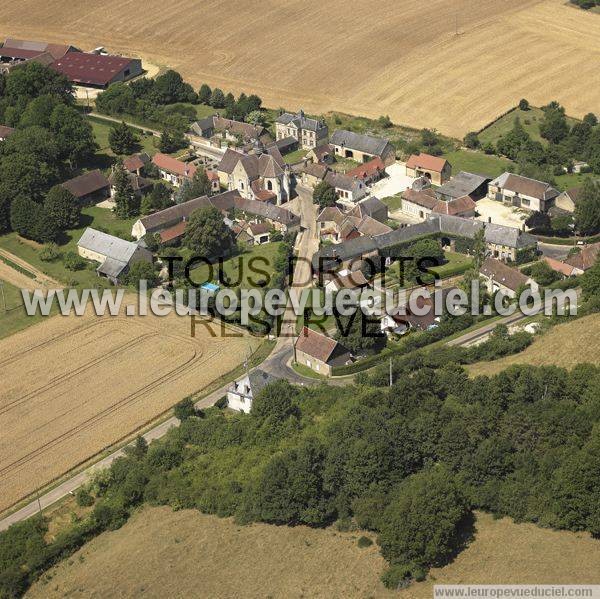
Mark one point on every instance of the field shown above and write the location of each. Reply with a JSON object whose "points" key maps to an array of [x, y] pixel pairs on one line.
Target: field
{"points": [[453, 66], [561, 346], [12, 313], [477, 162], [73, 386], [161, 553]]}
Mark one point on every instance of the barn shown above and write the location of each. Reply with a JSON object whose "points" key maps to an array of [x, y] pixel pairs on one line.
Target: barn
{"points": [[97, 70]]}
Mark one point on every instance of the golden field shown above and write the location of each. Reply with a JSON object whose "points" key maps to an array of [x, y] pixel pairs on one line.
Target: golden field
{"points": [[564, 345], [454, 65], [161, 553], [72, 386]]}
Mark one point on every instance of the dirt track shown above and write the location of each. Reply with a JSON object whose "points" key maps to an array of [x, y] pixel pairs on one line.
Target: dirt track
{"points": [[450, 65], [71, 387]]}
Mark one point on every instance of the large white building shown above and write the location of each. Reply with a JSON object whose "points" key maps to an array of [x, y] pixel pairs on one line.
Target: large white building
{"points": [[243, 391]]}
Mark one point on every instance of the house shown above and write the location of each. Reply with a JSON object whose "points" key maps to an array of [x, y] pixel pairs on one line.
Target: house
{"points": [[319, 352], [566, 270], [347, 189], [402, 318], [362, 148], [419, 203], [498, 276], [89, 188], [136, 163], [140, 185], [261, 176], [5, 132], [114, 254], [354, 281], [97, 70], [522, 192], [260, 232], [172, 170], [226, 129], [369, 172], [242, 392], [335, 226], [437, 170], [309, 133], [371, 206], [567, 200], [585, 259], [286, 145], [464, 184], [464, 206], [321, 154], [170, 222], [15, 51], [314, 173]]}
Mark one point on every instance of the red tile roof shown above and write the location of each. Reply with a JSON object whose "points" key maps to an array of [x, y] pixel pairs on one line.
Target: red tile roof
{"points": [[315, 344], [173, 232], [455, 207], [91, 69], [368, 169], [558, 266], [172, 165], [133, 163], [86, 184], [586, 258], [427, 162]]}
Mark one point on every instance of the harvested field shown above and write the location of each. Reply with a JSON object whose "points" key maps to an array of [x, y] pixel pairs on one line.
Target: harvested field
{"points": [[407, 61], [161, 553], [561, 346], [72, 386]]}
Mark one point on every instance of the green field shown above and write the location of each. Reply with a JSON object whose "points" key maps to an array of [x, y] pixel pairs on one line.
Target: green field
{"points": [[455, 264], [101, 128], [295, 156], [393, 202], [477, 162], [99, 218], [12, 313], [530, 119]]}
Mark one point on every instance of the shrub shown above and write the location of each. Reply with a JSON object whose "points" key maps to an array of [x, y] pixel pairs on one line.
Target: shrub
{"points": [[73, 261], [84, 498], [364, 542], [523, 104], [49, 253]]}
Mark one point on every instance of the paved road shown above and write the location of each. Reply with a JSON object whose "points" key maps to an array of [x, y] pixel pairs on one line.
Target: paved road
{"points": [[558, 252], [276, 363]]}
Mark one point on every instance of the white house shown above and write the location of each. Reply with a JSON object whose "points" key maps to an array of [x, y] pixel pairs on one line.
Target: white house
{"points": [[243, 391], [522, 192]]}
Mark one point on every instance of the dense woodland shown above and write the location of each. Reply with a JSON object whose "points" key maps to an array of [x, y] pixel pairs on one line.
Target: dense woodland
{"points": [[409, 461]]}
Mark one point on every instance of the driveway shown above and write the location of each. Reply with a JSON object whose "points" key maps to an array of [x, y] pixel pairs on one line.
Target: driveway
{"points": [[500, 214], [558, 252], [396, 182]]}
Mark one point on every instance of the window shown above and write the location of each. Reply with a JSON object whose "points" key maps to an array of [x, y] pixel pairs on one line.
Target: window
{"points": [[270, 185]]}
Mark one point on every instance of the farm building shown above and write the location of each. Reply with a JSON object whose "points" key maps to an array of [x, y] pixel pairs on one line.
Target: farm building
{"points": [[362, 148], [372, 207], [348, 189], [437, 170], [319, 352], [114, 254], [136, 162], [464, 184], [309, 133], [585, 259], [568, 199], [5, 132], [498, 276], [172, 170], [226, 129], [321, 154], [463, 206], [89, 188], [355, 282], [522, 192], [369, 172], [97, 70], [140, 185], [16, 51], [419, 204], [242, 392]]}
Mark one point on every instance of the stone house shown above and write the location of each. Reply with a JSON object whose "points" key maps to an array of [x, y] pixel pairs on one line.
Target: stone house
{"points": [[309, 133], [362, 148], [437, 170], [242, 392], [90, 188], [498, 276], [522, 192], [172, 170], [319, 352]]}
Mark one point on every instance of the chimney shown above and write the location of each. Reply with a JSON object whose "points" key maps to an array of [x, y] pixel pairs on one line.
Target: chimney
{"points": [[490, 220]]}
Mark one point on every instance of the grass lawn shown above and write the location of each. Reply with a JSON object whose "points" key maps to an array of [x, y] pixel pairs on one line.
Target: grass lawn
{"points": [[569, 180], [12, 312], [295, 156], [238, 268], [530, 119], [101, 128], [99, 218], [204, 110], [455, 264], [393, 202], [304, 370], [477, 162]]}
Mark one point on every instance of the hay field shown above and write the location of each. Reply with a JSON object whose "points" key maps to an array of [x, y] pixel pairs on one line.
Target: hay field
{"points": [[564, 345], [161, 553], [399, 57], [72, 386]]}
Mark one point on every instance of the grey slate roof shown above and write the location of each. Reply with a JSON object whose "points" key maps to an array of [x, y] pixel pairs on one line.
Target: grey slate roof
{"points": [[463, 184], [259, 379], [300, 120], [356, 141], [107, 245]]}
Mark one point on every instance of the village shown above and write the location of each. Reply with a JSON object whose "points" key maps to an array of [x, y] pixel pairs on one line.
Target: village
{"points": [[339, 198]]}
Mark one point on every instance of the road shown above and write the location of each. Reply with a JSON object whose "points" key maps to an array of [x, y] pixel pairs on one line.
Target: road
{"points": [[558, 252], [277, 364]]}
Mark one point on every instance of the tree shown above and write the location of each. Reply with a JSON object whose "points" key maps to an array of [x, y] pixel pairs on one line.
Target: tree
{"points": [[590, 119], [122, 139], [540, 221], [554, 126], [173, 136], [511, 143], [358, 332], [523, 104], [62, 206], [185, 409], [471, 141], [207, 235], [117, 99], [29, 219], [141, 271], [38, 111], [256, 117], [542, 274], [384, 121], [73, 133], [217, 98], [587, 209], [324, 194], [479, 248], [158, 199], [275, 402], [126, 204], [590, 283], [422, 524], [170, 88], [204, 94], [32, 80], [198, 187]]}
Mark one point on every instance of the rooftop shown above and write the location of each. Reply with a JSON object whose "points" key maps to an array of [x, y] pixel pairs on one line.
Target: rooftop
{"points": [[86, 184], [91, 69], [427, 162], [356, 141]]}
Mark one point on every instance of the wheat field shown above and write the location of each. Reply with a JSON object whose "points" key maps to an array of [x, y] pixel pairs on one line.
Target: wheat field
{"points": [[72, 386], [453, 66]]}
